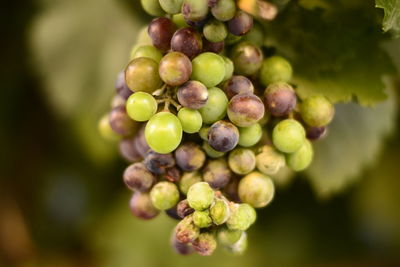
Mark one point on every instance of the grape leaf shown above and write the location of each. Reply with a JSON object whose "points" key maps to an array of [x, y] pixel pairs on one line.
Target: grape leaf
{"points": [[391, 19], [354, 141]]}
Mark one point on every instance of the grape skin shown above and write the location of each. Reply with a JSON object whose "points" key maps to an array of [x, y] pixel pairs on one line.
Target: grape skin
{"points": [[217, 174], [120, 122], [245, 110], [121, 87], [249, 136], [193, 95], [141, 74], [209, 69], [223, 136], [158, 163], [247, 58], [224, 10], [175, 68], [215, 108], [187, 41], [280, 99], [190, 157], [237, 85], [190, 119], [288, 136], [137, 177], [160, 31], [141, 206], [240, 24]]}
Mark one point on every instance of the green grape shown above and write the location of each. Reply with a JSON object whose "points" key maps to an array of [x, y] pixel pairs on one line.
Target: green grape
{"points": [[152, 7], [179, 21], [249, 136], [215, 31], [288, 136], [200, 196], [242, 160], [220, 211], [163, 132], [208, 68], [224, 10], [202, 219], [302, 158], [147, 51], [195, 10], [228, 68], [105, 129], [211, 152], [142, 75], [164, 195], [232, 39], [215, 108], [171, 6], [228, 237], [256, 189], [317, 111], [203, 133], [242, 216], [141, 106], [269, 161], [187, 180], [240, 246], [247, 58], [275, 69], [191, 120], [255, 35]]}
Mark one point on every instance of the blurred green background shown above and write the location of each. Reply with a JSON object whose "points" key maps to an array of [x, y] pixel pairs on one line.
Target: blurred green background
{"points": [[62, 200]]}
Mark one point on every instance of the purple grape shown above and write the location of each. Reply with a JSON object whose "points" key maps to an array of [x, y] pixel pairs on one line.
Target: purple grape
{"points": [[120, 122], [223, 136], [121, 87], [173, 213], [240, 24], [172, 174], [183, 208], [280, 99], [187, 41], [237, 85], [217, 47], [181, 248], [137, 177], [190, 157], [141, 206], [140, 143], [160, 31], [316, 133], [193, 95], [158, 163], [244, 110], [128, 150], [217, 173]]}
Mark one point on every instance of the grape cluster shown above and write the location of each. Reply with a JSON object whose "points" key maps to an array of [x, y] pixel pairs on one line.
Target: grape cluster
{"points": [[207, 119]]}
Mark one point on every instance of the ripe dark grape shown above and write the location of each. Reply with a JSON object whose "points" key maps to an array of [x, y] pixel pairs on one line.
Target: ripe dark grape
{"points": [[140, 143], [240, 24], [245, 110], [217, 47], [138, 177], [141, 206], [217, 173], [183, 208], [121, 87], [193, 95], [120, 122], [223, 136], [187, 41], [160, 31], [190, 157], [237, 85], [175, 68], [315, 133], [158, 163], [128, 150], [247, 58], [173, 213], [280, 99]]}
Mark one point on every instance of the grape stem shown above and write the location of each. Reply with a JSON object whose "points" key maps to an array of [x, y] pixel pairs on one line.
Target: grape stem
{"points": [[160, 92]]}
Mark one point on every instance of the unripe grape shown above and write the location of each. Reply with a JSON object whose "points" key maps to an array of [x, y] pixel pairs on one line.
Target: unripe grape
{"points": [[121, 87], [242, 160], [245, 110], [187, 180], [288, 136], [187, 41], [171, 6], [160, 31], [228, 68], [280, 99], [141, 106], [224, 10], [247, 58], [215, 108], [120, 122], [190, 119], [180, 248], [220, 211], [175, 68], [205, 244], [237, 85], [142, 75], [186, 231], [128, 151], [241, 23], [242, 216], [158, 163], [232, 39], [316, 133], [275, 69], [202, 219], [195, 10], [190, 157], [228, 237], [317, 111], [164, 195], [216, 48], [200, 196], [142, 207], [215, 31], [240, 246], [302, 158], [256, 189], [193, 95], [148, 51], [269, 161], [255, 35], [203, 133], [216, 173], [211, 152], [249, 136], [208, 68], [183, 209], [152, 7], [179, 21], [137, 177], [223, 136], [105, 129]]}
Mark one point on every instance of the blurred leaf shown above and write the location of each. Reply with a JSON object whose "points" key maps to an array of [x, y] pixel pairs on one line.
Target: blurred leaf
{"points": [[391, 20], [392, 47], [354, 141]]}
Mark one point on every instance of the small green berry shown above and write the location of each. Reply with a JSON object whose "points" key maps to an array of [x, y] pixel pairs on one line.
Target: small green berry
{"points": [[202, 219], [256, 189], [187, 180], [302, 158], [242, 160], [240, 246], [288, 136], [242, 216], [164, 195], [275, 69], [228, 237], [317, 111], [269, 161], [220, 211], [200, 196], [211, 152]]}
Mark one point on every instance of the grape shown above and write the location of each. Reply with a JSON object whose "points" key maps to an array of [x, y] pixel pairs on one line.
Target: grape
{"points": [[203, 133], [317, 111], [188, 179], [228, 68], [280, 99], [202, 219], [140, 143], [242, 160], [179, 21], [120, 122], [196, 24], [192, 94], [213, 47], [269, 161], [172, 213], [242, 216], [215, 31], [158, 163], [288, 136], [175, 68], [256, 189], [208, 68], [200, 196], [237, 85], [137, 177], [215, 108], [231, 189], [164, 195], [148, 51], [275, 69], [186, 231], [128, 150], [232, 39], [163, 132], [315, 133], [141, 206], [216, 173], [187, 41], [121, 87], [224, 10], [118, 100], [184, 209], [152, 7], [181, 248], [302, 158], [228, 237], [245, 110], [211, 152], [240, 246], [160, 31], [172, 174], [195, 10], [171, 6], [223, 136], [220, 211], [249, 136], [105, 129], [190, 157], [142, 75], [255, 35], [240, 24], [141, 106], [190, 119], [247, 58], [205, 244]]}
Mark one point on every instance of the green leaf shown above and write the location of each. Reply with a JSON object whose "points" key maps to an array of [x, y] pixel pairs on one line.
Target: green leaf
{"points": [[354, 141], [391, 19]]}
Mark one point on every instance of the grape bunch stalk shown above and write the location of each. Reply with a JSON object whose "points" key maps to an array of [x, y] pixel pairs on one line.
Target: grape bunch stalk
{"points": [[207, 118]]}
